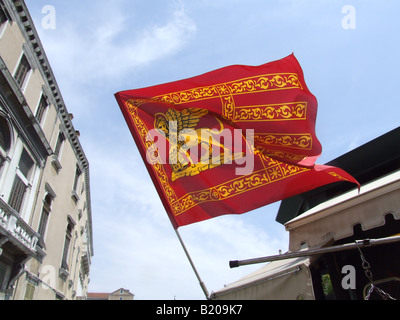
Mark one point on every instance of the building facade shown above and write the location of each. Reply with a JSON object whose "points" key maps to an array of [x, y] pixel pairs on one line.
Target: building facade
{"points": [[46, 241], [120, 294]]}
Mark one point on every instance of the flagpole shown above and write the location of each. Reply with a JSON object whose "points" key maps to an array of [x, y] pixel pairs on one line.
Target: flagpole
{"points": [[202, 285]]}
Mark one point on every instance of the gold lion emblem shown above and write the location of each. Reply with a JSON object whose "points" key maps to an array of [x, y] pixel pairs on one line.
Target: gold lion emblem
{"points": [[180, 128]]}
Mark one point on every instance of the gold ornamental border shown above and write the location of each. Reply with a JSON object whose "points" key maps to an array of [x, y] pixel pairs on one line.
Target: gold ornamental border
{"points": [[237, 186], [227, 90], [142, 131], [273, 172], [301, 141], [271, 112]]}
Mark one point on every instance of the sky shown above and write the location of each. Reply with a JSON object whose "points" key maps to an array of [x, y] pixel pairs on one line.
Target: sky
{"points": [[349, 54]]}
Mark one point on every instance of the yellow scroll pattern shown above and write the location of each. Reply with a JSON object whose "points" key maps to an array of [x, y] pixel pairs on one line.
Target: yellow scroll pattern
{"points": [[275, 171], [142, 131], [226, 91], [271, 112], [295, 141]]}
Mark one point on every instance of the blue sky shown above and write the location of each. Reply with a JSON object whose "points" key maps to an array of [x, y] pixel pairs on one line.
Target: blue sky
{"points": [[100, 47]]}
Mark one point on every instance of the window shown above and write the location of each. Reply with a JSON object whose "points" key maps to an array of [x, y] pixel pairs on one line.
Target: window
{"points": [[2, 159], [30, 289], [5, 136], [60, 141], [17, 194], [44, 219], [25, 164], [78, 173], [41, 108], [21, 181], [68, 237], [64, 263], [57, 152], [5, 139], [22, 71], [4, 16], [74, 194]]}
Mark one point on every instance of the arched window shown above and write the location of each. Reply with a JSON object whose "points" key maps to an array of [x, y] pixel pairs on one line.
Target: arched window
{"points": [[47, 202], [23, 71], [67, 242]]}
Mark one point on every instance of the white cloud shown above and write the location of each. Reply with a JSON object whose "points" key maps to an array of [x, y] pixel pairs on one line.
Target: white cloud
{"points": [[92, 54], [158, 41], [92, 50]]}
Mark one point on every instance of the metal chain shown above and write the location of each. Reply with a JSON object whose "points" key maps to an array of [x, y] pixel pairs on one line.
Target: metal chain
{"points": [[368, 273]]}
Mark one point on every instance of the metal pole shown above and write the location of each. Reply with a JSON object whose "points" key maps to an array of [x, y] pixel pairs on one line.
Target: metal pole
{"points": [[305, 253], [202, 285]]}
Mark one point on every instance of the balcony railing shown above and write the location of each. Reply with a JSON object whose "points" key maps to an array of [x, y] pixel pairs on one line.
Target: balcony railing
{"points": [[16, 229]]}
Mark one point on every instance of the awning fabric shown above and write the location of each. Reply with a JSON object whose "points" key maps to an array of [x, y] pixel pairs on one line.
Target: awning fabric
{"points": [[335, 218], [279, 280]]}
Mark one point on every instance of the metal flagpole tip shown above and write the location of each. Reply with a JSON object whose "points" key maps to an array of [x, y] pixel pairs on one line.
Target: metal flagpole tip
{"points": [[234, 264]]}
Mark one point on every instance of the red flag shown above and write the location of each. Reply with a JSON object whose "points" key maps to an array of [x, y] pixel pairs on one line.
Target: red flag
{"points": [[228, 141]]}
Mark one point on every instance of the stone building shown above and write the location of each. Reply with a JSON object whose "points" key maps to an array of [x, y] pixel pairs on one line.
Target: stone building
{"points": [[46, 241], [120, 294]]}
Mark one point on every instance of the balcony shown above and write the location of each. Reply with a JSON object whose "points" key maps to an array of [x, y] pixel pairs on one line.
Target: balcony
{"points": [[16, 230]]}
